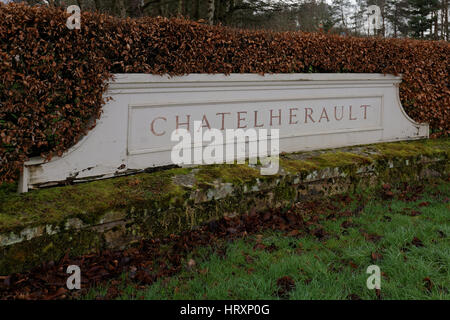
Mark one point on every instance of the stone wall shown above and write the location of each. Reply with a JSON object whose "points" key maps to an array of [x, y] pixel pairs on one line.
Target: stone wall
{"points": [[46, 224]]}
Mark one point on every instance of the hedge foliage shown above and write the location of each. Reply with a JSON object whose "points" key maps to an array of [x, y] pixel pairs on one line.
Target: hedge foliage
{"points": [[52, 78]]}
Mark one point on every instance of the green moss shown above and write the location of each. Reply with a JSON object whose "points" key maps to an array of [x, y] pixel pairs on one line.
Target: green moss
{"points": [[285, 192], [88, 201], [157, 191], [27, 254], [297, 166], [226, 173], [7, 189], [413, 148], [339, 159]]}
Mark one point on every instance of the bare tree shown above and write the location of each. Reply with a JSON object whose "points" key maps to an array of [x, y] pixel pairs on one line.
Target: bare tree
{"points": [[445, 30], [180, 7], [211, 9]]}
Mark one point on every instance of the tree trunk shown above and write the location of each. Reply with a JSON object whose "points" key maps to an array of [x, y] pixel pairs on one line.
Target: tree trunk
{"points": [[395, 21], [180, 8], [442, 21], [96, 4], [160, 8], [446, 20], [436, 26], [196, 11], [135, 7], [211, 8], [121, 9]]}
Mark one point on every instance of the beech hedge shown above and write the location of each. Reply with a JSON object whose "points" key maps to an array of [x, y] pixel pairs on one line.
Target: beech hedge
{"points": [[52, 78]]}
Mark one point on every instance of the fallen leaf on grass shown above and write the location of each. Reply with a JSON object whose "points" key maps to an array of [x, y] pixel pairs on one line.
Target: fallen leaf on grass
{"points": [[378, 294], [293, 233], [415, 213], [370, 236], [353, 296], [320, 233], [58, 293], [350, 263], [424, 204], [376, 256], [285, 285], [347, 224], [346, 213], [417, 242], [145, 277], [203, 271], [191, 264], [359, 209], [428, 284], [259, 246], [388, 195], [272, 248], [335, 269], [249, 259], [134, 182], [6, 280], [112, 293]]}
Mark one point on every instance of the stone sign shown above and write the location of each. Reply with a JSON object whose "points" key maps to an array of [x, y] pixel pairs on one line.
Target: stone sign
{"points": [[311, 111]]}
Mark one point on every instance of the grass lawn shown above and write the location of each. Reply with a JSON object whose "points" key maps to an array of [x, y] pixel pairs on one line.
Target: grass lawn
{"points": [[405, 233]]}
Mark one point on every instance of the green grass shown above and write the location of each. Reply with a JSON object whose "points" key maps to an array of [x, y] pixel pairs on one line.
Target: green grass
{"points": [[334, 268]]}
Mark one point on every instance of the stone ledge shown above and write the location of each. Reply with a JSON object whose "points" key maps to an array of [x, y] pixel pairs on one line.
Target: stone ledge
{"points": [[45, 224]]}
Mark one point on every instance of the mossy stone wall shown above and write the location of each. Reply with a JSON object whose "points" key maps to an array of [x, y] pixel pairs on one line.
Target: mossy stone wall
{"points": [[46, 224]]}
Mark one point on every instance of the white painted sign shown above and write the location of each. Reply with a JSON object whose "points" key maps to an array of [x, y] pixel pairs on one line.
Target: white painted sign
{"points": [[150, 125], [311, 111]]}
